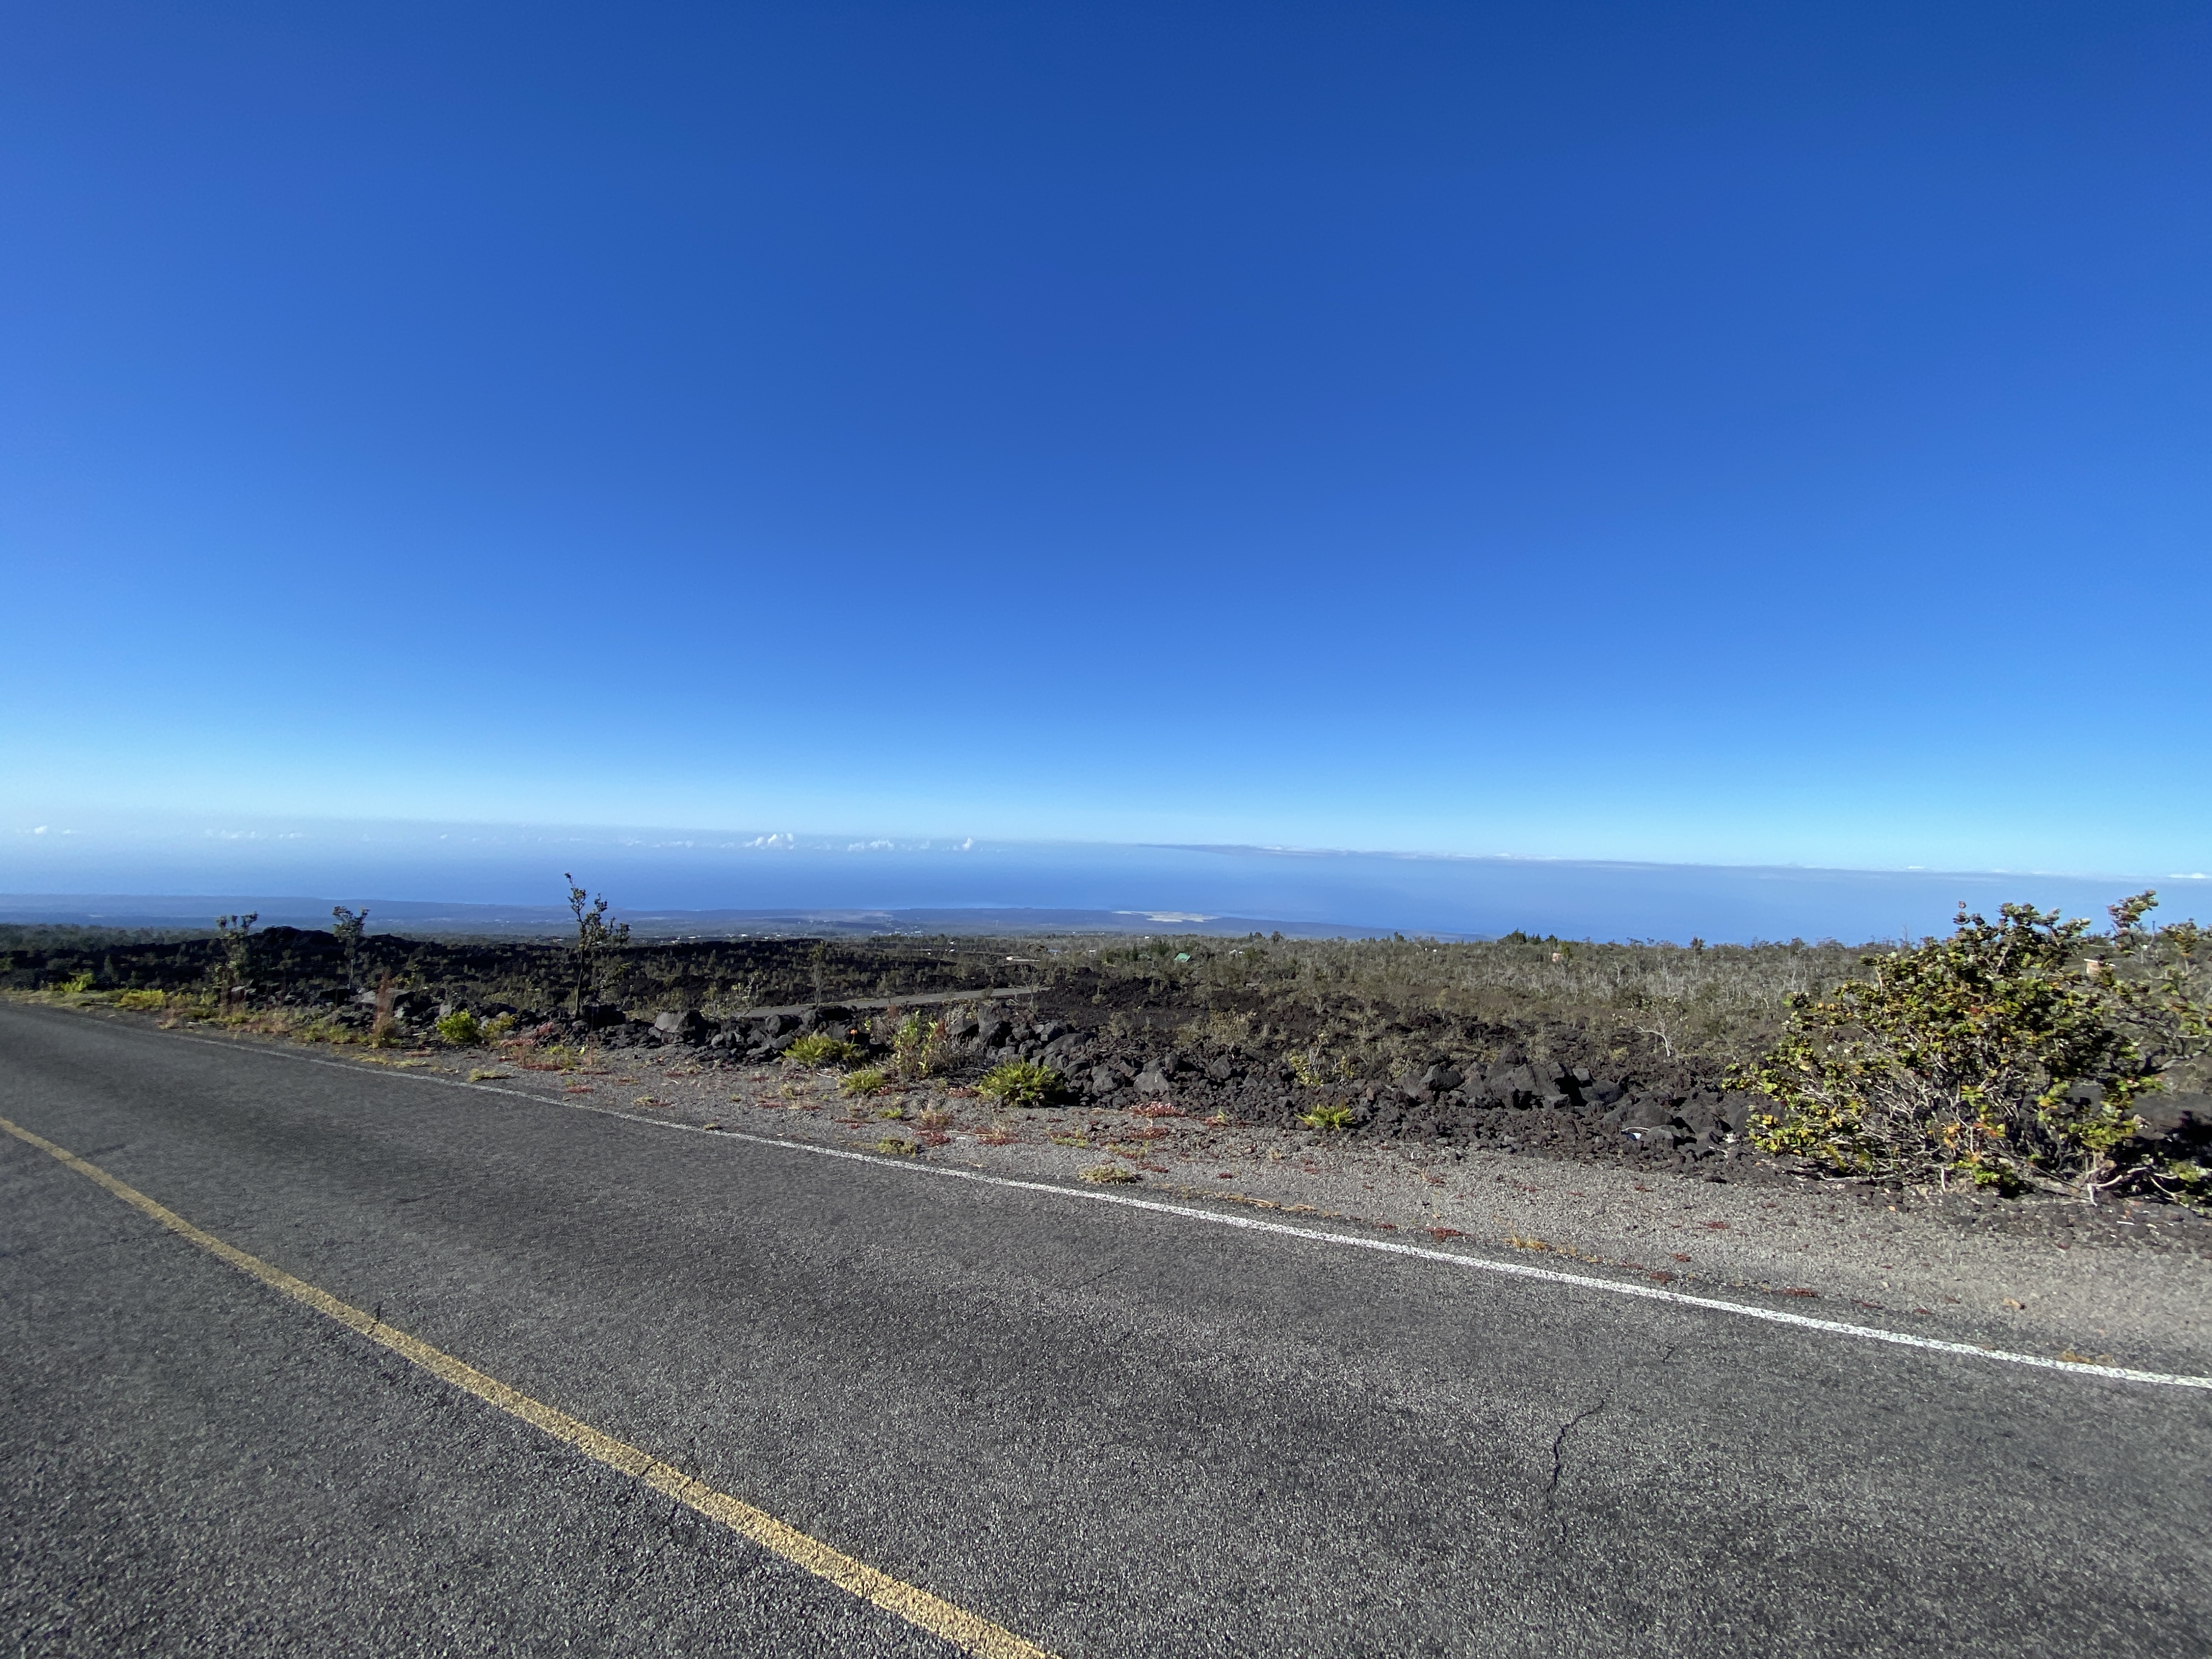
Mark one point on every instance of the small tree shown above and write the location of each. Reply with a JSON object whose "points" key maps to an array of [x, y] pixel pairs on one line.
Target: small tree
{"points": [[594, 936], [2009, 1054], [235, 936], [350, 925]]}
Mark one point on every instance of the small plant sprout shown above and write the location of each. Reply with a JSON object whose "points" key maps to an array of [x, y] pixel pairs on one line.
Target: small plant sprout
{"points": [[1021, 1083], [1332, 1117], [869, 1080], [893, 1146], [1109, 1175]]}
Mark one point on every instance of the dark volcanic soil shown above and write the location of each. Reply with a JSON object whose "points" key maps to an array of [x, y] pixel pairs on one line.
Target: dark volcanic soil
{"points": [[1257, 1050], [1454, 1049]]}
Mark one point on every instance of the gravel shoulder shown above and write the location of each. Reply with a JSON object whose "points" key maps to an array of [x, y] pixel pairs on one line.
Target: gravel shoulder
{"points": [[2127, 1284]]}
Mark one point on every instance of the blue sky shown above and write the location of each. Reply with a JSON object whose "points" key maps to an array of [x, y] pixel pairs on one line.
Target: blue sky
{"points": [[1732, 434]]}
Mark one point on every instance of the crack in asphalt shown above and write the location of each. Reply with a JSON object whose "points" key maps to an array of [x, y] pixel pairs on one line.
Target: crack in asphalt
{"points": [[1084, 1283], [1560, 1440]]}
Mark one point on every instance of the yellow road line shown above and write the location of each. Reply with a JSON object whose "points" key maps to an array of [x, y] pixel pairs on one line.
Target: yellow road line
{"points": [[940, 1617]]}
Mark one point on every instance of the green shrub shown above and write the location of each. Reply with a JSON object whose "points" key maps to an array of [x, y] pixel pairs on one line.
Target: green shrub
{"points": [[820, 1049], [919, 1047], [869, 1080], [460, 1028], [2007, 1055], [76, 984], [1335, 1115], [144, 1001], [1023, 1082], [892, 1146]]}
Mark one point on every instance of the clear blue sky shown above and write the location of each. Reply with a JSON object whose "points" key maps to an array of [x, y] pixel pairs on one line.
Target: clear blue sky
{"points": [[1752, 434]]}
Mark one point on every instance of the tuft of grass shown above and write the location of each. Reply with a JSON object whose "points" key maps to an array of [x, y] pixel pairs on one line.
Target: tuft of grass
{"points": [[868, 1080], [461, 1027], [480, 1075], [1109, 1175], [819, 1048], [892, 1146], [1021, 1083], [893, 1114], [1335, 1115], [144, 1002]]}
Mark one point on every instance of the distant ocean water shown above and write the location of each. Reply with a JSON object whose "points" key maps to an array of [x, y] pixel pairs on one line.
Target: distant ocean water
{"points": [[665, 871]]}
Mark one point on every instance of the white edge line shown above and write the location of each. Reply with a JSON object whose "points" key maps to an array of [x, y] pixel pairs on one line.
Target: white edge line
{"points": [[1388, 1247]]}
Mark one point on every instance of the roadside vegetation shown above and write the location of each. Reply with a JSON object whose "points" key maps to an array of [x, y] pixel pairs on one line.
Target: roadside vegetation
{"points": [[2026, 1054], [2023, 1052]]}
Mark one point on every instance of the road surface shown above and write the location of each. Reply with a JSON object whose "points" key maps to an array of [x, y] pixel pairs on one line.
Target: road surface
{"points": [[1104, 1430]]}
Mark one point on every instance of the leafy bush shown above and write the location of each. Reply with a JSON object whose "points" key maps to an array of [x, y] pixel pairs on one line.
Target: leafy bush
{"points": [[869, 1080], [1021, 1083], [143, 1001], [76, 984], [2008, 1054], [918, 1047], [460, 1028], [820, 1049]]}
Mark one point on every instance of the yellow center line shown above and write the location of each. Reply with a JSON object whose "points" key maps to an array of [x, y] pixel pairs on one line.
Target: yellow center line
{"points": [[968, 1631]]}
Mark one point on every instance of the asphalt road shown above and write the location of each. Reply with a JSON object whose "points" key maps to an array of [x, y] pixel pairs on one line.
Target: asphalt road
{"points": [[1110, 1431]]}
